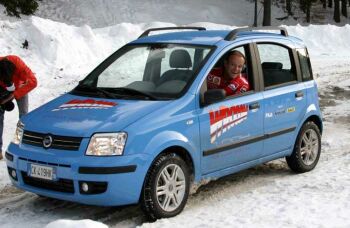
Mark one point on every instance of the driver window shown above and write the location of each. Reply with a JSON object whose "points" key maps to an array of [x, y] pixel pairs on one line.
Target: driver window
{"points": [[231, 73]]}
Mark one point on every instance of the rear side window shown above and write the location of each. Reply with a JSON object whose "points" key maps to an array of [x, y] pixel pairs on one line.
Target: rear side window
{"points": [[166, 63], [305, 64], [276, 64]]}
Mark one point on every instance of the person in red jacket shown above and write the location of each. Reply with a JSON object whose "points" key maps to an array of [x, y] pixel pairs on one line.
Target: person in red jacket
{"points": [[16, 81], [229, 77]]}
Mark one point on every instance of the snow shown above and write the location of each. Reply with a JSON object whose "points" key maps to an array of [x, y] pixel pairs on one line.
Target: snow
{"points": [[86, 223], [110, 12], [67, 39]]}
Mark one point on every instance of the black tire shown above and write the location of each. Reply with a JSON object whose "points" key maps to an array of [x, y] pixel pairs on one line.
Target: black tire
{"points": [[165, 205], [307, 149]]}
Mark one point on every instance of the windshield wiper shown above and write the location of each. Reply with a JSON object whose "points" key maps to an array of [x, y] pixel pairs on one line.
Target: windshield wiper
{"points": [[95, 90], [132, 92]]}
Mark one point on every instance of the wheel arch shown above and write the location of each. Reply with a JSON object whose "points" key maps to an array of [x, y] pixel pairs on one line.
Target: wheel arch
{"points": [[183, 153], [313, 118], [317, 120]]}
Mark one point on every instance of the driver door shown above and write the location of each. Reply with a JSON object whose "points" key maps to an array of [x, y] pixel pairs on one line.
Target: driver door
{"points": [[232, 129]]}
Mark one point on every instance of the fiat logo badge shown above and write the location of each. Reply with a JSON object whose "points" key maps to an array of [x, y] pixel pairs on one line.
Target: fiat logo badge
{"points": [[47, 141]]}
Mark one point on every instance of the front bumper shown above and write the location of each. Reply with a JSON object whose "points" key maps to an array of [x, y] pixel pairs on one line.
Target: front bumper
{"points": [[112, 181]]}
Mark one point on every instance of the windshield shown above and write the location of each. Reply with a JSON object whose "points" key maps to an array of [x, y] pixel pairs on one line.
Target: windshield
{"points": [[155, 71]]}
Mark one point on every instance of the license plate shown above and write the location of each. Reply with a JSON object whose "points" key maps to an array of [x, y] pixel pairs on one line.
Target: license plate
{"points": [[40, 171]]}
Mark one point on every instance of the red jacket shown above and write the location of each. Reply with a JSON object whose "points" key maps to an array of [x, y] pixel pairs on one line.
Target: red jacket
{"points": [[237, 85], [23, 78]]}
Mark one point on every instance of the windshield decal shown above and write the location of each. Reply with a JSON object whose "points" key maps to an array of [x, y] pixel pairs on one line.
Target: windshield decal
{"points": [[226, 117], [85, 104]]}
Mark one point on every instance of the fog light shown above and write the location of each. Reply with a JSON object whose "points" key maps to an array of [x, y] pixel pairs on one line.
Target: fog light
{"points": [[85, 187], [14, 174], [92, 187]]}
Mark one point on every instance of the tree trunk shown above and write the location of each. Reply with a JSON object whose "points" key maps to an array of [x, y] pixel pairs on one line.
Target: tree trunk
{"points": [[256, 14], [330, 3], [308, 11], [336, 15], [289, 7], [344, 10], [267, 13], [302, 5]]}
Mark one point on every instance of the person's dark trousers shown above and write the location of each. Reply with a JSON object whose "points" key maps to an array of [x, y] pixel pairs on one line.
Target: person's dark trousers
{"points": [[22, 105], [2, 112]]}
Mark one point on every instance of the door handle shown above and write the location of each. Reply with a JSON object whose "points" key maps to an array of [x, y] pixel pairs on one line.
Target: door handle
{"points": [[254, 106], [299, 94]]}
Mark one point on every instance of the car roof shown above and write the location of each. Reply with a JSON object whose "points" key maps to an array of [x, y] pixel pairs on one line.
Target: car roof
{"points": [[212, 37]]}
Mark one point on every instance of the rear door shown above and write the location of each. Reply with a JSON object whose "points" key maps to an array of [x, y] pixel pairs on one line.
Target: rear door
{"points": [[284, 97]]}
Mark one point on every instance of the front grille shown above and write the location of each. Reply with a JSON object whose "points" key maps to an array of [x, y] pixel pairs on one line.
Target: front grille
{"points": [[61, 185], [58, 142]]}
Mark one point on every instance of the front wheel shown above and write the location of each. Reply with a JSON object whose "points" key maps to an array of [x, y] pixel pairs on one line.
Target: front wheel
{"points": [[307, 149], [166, 187]]}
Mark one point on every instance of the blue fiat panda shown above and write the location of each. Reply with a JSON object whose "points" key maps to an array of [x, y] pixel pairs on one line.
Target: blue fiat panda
{"points": [[143, 126]]}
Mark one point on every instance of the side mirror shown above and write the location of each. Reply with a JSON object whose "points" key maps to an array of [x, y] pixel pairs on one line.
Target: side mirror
{"points": [[213, 95]]}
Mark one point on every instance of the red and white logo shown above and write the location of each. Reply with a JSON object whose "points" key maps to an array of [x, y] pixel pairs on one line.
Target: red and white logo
{"points": [[85, 104], [216, 80], [226, 117]]}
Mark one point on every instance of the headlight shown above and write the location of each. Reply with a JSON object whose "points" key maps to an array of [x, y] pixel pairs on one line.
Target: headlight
{"points": [[107, 144], [19, 133]]}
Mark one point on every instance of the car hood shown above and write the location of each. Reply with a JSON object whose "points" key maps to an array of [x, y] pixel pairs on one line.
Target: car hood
{"points": [[71, 115]]}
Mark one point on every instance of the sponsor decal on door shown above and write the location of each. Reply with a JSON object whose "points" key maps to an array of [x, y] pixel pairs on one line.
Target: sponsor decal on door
{"points": [[225, 118]]}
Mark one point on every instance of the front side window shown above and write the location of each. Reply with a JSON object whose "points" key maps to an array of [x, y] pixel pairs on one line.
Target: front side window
{"points": [[232, 73], [156, 71], [276, 64]]}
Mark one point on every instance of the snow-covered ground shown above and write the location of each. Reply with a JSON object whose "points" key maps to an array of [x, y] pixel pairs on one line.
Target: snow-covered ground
{"points": [[269, 195]]}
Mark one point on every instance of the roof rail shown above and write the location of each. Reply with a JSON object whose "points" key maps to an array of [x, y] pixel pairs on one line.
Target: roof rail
{"points": [[233, 34], [145, 33]]}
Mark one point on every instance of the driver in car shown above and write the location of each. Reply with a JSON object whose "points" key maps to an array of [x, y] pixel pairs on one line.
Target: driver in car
{"points": [[229, 77]]}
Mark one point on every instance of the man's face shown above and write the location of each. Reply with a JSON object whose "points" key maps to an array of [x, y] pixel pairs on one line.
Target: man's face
{"points": [[234, 66]]}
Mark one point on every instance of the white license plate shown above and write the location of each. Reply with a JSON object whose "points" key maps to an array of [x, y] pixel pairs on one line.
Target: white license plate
{"points": [[43, 172]]}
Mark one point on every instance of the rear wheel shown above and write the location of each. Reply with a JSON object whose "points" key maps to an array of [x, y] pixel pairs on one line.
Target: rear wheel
{"points": [[307, 149], [166, 187]]}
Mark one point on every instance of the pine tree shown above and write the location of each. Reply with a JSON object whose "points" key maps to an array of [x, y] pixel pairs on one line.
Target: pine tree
{"points": [[17, 7]]}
